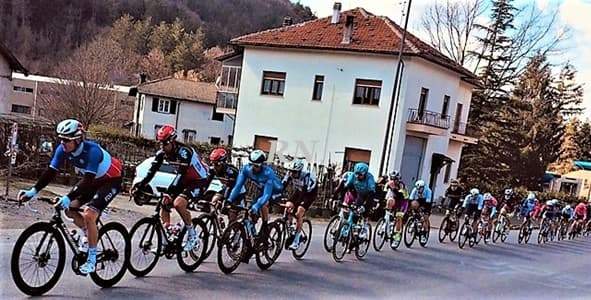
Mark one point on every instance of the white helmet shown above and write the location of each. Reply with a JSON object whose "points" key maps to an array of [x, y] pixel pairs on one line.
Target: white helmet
{"points": [[69, 129], [531, 196], [487, 196], [296, 165], [555, 201], [550, 202], [419, 184], [257, 157], [474, 192]]}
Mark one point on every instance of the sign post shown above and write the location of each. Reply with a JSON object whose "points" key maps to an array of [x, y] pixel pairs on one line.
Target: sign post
{"points": [[11, 151]]}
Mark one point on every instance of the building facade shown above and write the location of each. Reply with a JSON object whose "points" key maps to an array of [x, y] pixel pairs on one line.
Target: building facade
{"points": [[8, 65]]}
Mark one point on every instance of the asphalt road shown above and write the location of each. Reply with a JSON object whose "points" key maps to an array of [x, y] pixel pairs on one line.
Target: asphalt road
{"points": [[440, 271]]}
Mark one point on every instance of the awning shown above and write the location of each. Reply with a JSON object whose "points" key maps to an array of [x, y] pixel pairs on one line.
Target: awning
{"points": [[584, 165], [438, 161]]}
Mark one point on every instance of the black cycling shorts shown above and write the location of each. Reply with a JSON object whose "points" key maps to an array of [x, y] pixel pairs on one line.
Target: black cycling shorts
{"points": [[303, 199], [472, 210], [99, 197], [426, 206]]}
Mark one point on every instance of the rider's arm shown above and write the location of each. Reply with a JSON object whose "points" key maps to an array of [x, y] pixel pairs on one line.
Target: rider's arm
{"points": [[184, 156], [156, 163], [238, 186], [466, 200], [413, 194], [480, 202], [51, 172], [286, 179], [312, 182]]}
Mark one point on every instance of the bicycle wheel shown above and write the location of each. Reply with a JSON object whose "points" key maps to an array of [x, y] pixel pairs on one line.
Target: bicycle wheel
{"points": [[443, 229], [527, 236], [210, 233], [38, 259], [146, 246], [521, 236], [306, 235], [190, 260], [283, 228], [381, 235], [454, 231], [341, 242], [329, 233], [270, 248], [463, 236], [423, 242], [363, 243], [113, 251], [479, 232], [410, 232], [232, 247]]}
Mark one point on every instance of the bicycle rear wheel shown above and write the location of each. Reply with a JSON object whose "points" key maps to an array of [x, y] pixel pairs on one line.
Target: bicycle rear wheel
{"points": [[410, 232], [210, 234], [113, 252], [39, 252], [341, 242], [305, 244], [329, 233]]}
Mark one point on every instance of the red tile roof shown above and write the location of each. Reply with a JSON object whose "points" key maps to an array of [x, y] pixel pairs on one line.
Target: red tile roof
{"points": [[371, 34]]}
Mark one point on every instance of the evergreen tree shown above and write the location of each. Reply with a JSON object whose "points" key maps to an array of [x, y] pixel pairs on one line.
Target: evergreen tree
{"points": [[584, 141], [569, 149]]}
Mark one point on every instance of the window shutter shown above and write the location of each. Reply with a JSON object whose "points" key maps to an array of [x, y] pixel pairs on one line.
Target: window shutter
{"points": [[154, 104], [173, 107]]}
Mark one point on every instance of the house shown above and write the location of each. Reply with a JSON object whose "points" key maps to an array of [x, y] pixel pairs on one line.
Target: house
{"points": [[8, 64], [187, 104], [324, 88], [24, 100], [576, 183]]}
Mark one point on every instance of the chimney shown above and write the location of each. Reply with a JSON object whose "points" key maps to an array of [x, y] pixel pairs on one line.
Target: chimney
{"points": [[287, 21], [336, 12], [142, 78], [348, 32]]}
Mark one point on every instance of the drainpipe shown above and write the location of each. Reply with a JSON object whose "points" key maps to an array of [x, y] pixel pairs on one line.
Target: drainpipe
{"points": [[394, 100]]}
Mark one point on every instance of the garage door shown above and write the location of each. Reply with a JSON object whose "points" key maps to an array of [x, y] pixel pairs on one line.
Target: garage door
{"points": [[412, 159]]}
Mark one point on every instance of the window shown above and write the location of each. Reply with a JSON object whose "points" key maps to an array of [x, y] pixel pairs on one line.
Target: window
{"points": [[215, 116], [21, 109], [214, 140], [423, 102], [353, 156], [447, 174], [264, 142], [273, 83], [445, 107], [458, 118], [367, 92], [230, 140], [164, 106], [156, 128], [22, 89], [318, 85], [189, 135]]}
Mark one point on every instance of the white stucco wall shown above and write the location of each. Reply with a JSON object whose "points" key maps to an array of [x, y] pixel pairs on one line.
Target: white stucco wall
{"points": [[5, 85], [191, 115]]}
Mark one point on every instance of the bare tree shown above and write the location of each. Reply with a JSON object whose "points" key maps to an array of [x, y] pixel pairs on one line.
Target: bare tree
{"points": [[450, 26]]}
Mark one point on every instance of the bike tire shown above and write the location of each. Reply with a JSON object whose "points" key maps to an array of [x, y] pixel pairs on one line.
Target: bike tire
{"points": [[381, 236], [527, 236], [463, 236], [453, 234], [363, 246], [442, 234], [15, 270], [210, 234], [424, 244], [153, 229], [345, 240], [234, 231], [331, 227], [198, 253], [307, 232], [266, 258], [410, 232], [105, 240], [521, 235]]}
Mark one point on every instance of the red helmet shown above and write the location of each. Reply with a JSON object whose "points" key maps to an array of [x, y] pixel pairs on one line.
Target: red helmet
{"points": [[218, 154], [166, 133]]}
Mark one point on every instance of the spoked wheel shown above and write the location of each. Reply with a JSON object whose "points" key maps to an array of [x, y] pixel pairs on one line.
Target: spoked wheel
{"points": [[496, 234], [443, 229], [270, 246], [454, 231], [395, 240], [341, 242], [382, 234], [210, 233], [410, 232], [38, 259], [305, 240], [329, 233], [463, 236], [113, 251], [146, 246], [527, 235], [190, 260], [424, 238], [232, 247], [479, 232], [521, 236], [505, 233], [363, 243]]}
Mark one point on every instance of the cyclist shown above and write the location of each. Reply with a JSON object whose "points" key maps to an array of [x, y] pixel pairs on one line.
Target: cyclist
{"points": [[305, 193], [580, 215], [550, 211], [220, 168], [489, 210], [473, 204], [567, 212], [454, 193], [191, 177], [528, 206], [508, 203], [420, 196], [100, 183], [264, 177], [397, 201]]}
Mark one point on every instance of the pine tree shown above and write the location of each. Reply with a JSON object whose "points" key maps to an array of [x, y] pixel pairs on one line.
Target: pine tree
{"points": [[569, 149], [584, 140]]}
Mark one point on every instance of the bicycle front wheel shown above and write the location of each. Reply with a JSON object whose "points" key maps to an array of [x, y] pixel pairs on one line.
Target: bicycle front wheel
{"points": [[443, 228], [232, 247], [410, 232], [463, 236], [381, 235], [210, 234], [341, 242], [113, 253], [146, 246], [363, 243], [38, 259], [270, 246], [329, 233], [307, 236]]}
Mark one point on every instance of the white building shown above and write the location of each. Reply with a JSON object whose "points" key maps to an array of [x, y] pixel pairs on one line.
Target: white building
{"points": [[8, 64], [186, 104], [323, 89]]}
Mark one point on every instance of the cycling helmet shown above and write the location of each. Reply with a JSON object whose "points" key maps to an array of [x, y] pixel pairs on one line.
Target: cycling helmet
{"points": [[219, 154], [361, 168], [555, 202], [487, 196], [508, 192], [474, 192], [394, 175], [549, 203], [257, 157], [568, 206], [419, 184], [531, 196], [166, 134], [296, 165], [69, 129]]}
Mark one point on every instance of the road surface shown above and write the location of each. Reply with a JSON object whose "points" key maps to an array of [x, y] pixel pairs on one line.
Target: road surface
{"points": [[440, 271]]}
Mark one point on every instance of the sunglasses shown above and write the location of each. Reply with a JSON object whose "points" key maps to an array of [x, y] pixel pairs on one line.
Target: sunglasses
{"points": [[65, 140]]}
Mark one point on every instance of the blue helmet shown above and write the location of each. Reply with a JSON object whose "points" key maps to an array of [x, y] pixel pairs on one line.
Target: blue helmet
{"points": [[361, 168]]}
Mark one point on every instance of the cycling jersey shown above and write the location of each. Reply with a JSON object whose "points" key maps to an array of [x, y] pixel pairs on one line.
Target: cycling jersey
{"points": [[89, 157], [228, 175], [550, 211], [396, 192], [364, 187], [191, 172], [568, 212], [477, 201], [581, 210], [490, 203], [266, 180], [425, 195], [306, 182], [528, 205]]}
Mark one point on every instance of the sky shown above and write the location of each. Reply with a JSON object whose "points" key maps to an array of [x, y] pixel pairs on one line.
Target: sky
{"points": [[576, 14]]}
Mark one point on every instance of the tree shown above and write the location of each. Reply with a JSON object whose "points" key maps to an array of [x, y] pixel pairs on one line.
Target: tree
{"points": [[569, 149], [154, 65], [569, 91], [584, 140]]}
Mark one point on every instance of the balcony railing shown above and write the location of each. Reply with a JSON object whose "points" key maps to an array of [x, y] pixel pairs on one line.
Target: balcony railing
{"points": [[463, 129], [229, 79], [430, 118]]}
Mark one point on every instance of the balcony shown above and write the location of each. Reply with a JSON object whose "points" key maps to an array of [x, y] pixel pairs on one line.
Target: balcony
{"points": [[229, 79], [226, 103], [427, 122], [463, 133]]}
